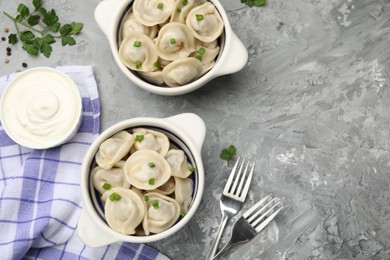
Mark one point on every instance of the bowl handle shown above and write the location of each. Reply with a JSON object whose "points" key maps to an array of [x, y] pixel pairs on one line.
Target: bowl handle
{"points": [[107, 13], [191, 124], [236, 56], [91, 234]]}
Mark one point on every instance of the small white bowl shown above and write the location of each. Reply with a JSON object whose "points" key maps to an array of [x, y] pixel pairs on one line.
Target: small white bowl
{"points": [[41, 108], [232, 57], [187, 131]]}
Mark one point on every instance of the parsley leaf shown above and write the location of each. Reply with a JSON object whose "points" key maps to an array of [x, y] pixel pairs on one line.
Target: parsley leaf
{"points": [[12, 38], [228, 153], [42, 28], [68, 40], [252, 3]]}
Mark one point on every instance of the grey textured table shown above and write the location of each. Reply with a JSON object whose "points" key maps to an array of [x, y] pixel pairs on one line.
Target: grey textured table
{"points": [[311, 107]]}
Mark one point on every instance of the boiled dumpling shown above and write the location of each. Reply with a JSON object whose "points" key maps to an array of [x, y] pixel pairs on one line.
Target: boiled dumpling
{"points": [[137, 52], [174, 41], [104, 180], [146, 139], [114, 149], [155, 77], [167, 188], [205, 22], [124, 210], [162, 212], [181, 10], [181, 72], [177, 160], [147, 170], [131, 24], [153, 12], [183, 192]]}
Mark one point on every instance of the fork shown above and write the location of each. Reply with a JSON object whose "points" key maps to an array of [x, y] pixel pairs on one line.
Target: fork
{"points": [[233, 197], [253, 221]]}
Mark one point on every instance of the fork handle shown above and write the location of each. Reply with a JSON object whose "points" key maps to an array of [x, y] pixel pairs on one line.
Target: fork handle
{"points": [[214, 246]]}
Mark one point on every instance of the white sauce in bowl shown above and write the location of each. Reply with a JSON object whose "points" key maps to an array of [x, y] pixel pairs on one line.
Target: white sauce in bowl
{"points": [[41, 108]]}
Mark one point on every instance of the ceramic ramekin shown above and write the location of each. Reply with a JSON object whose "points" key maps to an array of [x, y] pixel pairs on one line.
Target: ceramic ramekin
{"points": [[232, 58], [187, 131], [41, 108]]}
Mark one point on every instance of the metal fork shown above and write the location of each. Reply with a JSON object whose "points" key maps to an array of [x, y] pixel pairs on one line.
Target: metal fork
{"points": [[253, 221], [233, 197]]}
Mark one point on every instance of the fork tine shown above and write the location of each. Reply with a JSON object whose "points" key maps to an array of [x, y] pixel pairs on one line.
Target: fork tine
{"points": [[245, 190], [269, 219], [254, 207], [238, 176], [260, 210], [231, 176], [256, 218]]}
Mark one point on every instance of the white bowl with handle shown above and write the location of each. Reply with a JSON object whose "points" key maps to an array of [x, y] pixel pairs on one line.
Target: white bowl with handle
{"points": [[232, 57], [187, 132]]}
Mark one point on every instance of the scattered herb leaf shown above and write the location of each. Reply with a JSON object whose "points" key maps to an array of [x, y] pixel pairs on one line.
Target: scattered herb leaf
{"points": [[228, 153], [36, 37], [252, 3]]}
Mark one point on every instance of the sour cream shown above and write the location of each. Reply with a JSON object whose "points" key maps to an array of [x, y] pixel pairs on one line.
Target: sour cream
{"points": [[41, 108]]}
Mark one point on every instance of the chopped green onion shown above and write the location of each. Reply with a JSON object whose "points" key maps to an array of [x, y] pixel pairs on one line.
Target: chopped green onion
{"points": [[146, 198], [182, 213], [151, 181], [106, 186], [185, 2], [199, 17], [152, 165], [178, 9], [139, 138], [157, 64], [201, 50], [154, 204], [199, 57], [172, 41], [160, 6], [138, 64], [115, 197], [191, 168], [137, 44]]}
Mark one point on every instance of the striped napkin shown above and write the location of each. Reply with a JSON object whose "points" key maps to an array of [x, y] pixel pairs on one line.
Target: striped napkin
{"points": [[40, 197]]}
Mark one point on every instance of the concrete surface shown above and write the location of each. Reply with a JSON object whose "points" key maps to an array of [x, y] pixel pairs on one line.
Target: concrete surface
{"points": [[311, 107]]}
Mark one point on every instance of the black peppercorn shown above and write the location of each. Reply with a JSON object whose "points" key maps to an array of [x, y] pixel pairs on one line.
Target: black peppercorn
{"points": [[3, 39], [24, 65], [8, 49]]}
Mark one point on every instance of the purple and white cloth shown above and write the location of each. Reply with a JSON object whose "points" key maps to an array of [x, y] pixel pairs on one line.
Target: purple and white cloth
{"points": [[40, 197]]}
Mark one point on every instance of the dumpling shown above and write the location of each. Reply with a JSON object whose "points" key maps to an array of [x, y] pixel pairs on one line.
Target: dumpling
{"points": [[146, 139], [146, 170], [167, 188], [177, 160], [114, 149], [174, 41], [124, 210], [183, 192], [104, 180], [155, 77], [138, 52], [131, 24], [153, 12], [181, 72], [161, 213], [181, 10], [205, 22]]}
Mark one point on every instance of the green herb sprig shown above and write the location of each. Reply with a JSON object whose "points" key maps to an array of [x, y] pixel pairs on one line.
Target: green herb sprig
{"points": [[252, 3], [41, 28], [228, 153]]}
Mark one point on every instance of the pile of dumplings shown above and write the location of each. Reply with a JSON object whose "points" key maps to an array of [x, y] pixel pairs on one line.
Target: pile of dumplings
{"points": [[170, 42], [144, 181]]}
